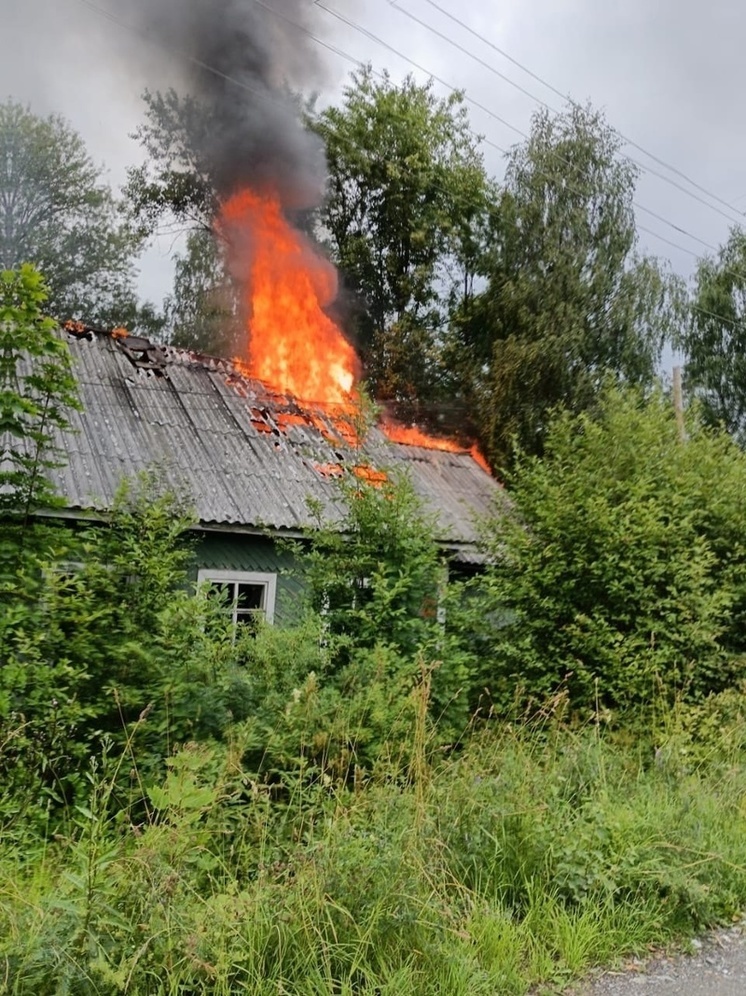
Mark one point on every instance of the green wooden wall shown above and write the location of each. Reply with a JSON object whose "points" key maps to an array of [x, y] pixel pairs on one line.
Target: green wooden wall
{"points": [[231, 552]]}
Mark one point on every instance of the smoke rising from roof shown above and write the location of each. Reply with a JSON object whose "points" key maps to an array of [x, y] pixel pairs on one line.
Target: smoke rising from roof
{"points": [[243, 59]]}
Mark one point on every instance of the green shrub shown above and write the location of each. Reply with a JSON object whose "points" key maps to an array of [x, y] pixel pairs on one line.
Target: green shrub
{"points": [[620, 563], [525, 859], [80, 635], [379, 583]]}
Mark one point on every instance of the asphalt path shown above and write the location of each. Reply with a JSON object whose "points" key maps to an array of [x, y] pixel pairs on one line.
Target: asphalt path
{"points": [[716, 967]]}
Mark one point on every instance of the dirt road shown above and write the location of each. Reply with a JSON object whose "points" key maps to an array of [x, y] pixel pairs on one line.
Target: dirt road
{"points": [[717, 968]]}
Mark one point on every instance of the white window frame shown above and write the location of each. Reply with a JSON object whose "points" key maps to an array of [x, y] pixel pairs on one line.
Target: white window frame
{"points": [[206, 575]]}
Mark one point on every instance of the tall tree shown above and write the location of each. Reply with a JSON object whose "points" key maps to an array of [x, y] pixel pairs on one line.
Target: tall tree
{"points": [[37, 390], [175, 182], [56, 213], [175, 188], [407, 196], [568, 303], [37, 393], [202, 311], [715, 338]]}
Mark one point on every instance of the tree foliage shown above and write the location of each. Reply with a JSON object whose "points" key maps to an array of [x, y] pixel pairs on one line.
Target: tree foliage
{"points": [[87, 646], [377, 580], [175, 182], [174, 189], [403, 219], [56, 213], [620, 562], [202, 310], [375, 575], [568, 301], [715, 339], [37, 391]]}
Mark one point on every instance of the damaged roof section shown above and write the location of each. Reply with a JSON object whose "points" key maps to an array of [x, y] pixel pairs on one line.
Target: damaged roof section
{"points": [[248, 456]]}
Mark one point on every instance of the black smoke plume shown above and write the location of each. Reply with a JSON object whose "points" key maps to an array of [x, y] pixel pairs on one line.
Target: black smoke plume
{"points": [[243, 60]]}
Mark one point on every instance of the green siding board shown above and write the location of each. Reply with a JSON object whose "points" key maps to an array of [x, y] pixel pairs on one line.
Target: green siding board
{"points": [[226, 552]]}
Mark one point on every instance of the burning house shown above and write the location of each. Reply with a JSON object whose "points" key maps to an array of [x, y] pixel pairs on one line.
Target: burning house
{"points": [[250, 458], [252, 438]]}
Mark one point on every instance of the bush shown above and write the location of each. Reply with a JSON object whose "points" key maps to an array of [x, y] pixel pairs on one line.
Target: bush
{"points": [[80, 638], [620, 563], [378, 581], [525, 859]]}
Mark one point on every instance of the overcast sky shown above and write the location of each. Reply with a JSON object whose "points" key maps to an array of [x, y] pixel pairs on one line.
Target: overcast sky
{"points": [[670, 75]]}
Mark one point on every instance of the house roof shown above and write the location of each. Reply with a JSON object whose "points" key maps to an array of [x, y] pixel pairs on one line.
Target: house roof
{"points": [[250, 458]]}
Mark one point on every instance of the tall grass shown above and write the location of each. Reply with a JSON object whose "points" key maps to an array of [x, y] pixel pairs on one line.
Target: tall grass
{"points": [[523, 860]]}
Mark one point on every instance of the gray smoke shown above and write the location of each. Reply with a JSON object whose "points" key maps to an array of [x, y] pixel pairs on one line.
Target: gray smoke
{"points": [[243, 59]]}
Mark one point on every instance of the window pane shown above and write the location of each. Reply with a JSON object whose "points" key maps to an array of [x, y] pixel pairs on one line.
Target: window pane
{"points": [[250, 596], [244, 593]]}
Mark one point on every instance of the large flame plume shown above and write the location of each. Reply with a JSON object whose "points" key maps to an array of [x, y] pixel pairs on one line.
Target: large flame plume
{"points": [[294, 346]]}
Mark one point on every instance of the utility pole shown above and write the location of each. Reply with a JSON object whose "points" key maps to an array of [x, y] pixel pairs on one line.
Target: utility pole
{"points": [[678, 402]]}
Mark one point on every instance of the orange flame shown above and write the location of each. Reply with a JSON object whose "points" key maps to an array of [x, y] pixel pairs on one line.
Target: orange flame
{"points": [[410, 435], [367, 473], [481, 459], [294, 346]]}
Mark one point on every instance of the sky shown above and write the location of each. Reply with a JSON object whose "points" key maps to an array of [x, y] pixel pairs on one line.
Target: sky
{"points": [[669, 74]]}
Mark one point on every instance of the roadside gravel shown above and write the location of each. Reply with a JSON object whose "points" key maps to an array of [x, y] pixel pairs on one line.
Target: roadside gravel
{"points": [[716, 968]]}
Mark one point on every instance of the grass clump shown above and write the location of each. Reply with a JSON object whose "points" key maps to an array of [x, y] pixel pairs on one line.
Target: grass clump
{"points": [[524, 860]]}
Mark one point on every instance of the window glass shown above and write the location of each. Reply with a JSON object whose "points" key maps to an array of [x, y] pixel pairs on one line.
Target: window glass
{"points": [[246, 595], [250, 596]]}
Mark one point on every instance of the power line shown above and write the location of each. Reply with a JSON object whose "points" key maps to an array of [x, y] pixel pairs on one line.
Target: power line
{"points": [[728, 269], [319, 41], [678, 228], [270, 98], [447, 85], [361, 29], [696, 307], [345, 55], [486, 65], [554, 89], [735, 322], [507, 79], [352, 59], [492, 45], [670, 242], [453, 89], [262, 94]]}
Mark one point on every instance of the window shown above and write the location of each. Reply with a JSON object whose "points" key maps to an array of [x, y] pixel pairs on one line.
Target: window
{"points": [[247, 594]]}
